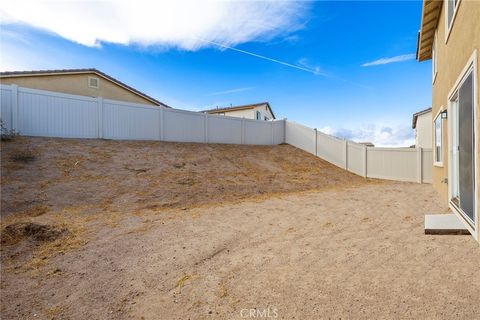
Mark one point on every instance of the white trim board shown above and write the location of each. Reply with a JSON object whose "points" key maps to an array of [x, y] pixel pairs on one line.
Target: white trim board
{"points": [[436, 163], [448, 28]]}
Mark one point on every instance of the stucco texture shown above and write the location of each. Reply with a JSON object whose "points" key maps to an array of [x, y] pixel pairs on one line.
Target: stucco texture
{"points": [[452, 57]]}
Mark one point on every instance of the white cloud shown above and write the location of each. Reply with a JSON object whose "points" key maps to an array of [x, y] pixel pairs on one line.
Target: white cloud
{"points": [[236, 90], [404, 57], [381, 136], [188, 25]]}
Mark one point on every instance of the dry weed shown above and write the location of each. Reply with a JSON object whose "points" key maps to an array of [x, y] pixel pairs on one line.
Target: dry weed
{"points": [[222, 290], [23, 156], [54, 312], [181, 282], [68, 166]]}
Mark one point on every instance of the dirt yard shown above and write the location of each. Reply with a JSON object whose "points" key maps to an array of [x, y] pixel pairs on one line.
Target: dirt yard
{"points": [[148, 230]]}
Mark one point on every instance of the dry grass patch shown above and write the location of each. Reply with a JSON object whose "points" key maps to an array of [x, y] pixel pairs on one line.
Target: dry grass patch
{"points": [[183, 280], [24, 156], [222, 290], [16, 232], [68, 166], [29, 241]]}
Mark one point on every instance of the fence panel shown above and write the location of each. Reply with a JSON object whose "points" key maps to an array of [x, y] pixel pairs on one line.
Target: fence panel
{"points": [[223, 129], [279, 132], [41, 113], [300, 136], [356, 158], [183, 126], [130, 121], [331, 149], [6, 106], [258, 132], [392, 163], [427, 165]]}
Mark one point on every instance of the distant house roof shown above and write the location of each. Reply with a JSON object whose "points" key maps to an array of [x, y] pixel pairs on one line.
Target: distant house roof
{"points": [[416, 115], [367, 144], [80, 71], [430, 15], [242, 107]]}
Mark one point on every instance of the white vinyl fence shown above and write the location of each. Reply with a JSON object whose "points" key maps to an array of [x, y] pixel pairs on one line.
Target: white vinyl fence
{"points": [[35, 112], [402, 164]]}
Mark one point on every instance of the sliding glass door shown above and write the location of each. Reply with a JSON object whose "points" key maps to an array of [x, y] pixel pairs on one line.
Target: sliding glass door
{"points": [[463, 149]]}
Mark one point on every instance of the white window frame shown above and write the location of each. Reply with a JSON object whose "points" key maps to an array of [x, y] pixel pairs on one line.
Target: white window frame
{"points": [[434, 58], [94, 87], [448, 28], [471, 64], [438, 116]]}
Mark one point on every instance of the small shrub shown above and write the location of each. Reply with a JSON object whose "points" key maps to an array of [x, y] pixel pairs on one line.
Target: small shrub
{"points": [[23, 156], [7, 135], [16, 232]]}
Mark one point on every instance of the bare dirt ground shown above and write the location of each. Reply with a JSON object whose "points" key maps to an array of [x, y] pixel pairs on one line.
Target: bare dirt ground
{"points": [[131, 230]]}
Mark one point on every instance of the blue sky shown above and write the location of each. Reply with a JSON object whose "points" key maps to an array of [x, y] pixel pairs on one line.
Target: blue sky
{"points": [[333, 65]]}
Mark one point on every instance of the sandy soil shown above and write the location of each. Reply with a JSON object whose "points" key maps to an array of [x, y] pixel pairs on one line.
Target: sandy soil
{"points": [[266, 228]]}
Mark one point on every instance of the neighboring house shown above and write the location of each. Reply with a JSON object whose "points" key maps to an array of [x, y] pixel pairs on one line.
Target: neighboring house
{"points": [[422, 124], [84, 82], [367, 144], [257, 111], [450, 36]]}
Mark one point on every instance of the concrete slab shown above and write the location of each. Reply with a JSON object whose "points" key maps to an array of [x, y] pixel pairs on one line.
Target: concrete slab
{"points": [[444, 224]]}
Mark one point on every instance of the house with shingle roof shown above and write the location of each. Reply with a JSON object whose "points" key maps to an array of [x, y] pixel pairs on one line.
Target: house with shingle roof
{"points": [[85, 82], [422, 124], [256, 111]]}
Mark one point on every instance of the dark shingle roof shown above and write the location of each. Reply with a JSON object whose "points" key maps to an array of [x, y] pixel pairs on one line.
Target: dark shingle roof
{"points": [[88, 70], [416, 115]]}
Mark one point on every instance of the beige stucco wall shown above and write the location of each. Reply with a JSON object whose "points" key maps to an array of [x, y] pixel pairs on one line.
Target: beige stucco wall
{"points": [[76, 84], [452, 57], [423, 131], [248, 113]]}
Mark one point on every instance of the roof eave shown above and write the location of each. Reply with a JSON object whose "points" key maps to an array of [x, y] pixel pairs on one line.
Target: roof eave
{"points": [[430, 15], [417, 114]]}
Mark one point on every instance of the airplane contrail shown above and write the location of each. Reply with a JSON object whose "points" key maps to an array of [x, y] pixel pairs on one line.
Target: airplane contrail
{"points": [[316, 72]]}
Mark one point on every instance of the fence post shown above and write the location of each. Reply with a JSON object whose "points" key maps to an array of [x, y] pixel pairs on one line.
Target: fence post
{"points": [[206, 127], [284, 130], [14, 122], [316, 141], [243, 131], [100, 117], [365, 162], [346, 154], [419, 165], [161, 123], [271, 132]]}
